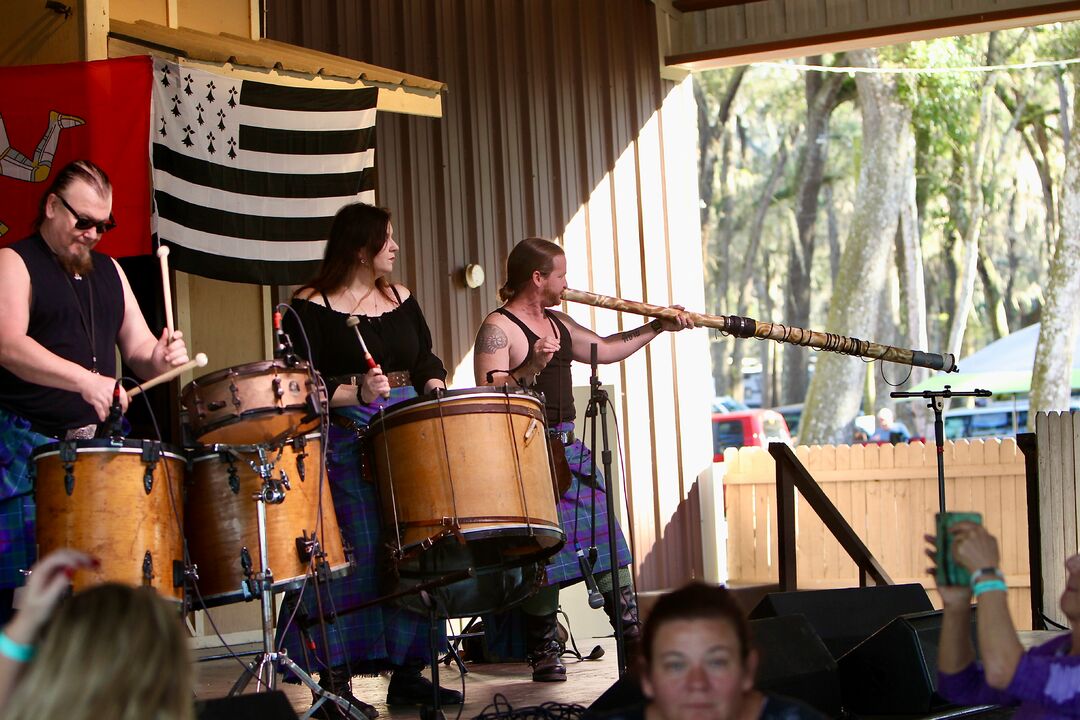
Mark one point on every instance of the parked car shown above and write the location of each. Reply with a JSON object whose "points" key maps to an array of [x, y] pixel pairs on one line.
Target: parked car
{"points": [[726, 403], [747, 428], [792, 414]]}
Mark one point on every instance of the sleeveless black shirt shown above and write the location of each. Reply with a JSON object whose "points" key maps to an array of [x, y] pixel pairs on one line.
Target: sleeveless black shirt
{"points": [[554, 380], [60, 320]]}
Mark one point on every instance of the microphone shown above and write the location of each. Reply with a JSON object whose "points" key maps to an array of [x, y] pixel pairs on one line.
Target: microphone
{"points": [[113, 427], [596, 600], [283, 348]]}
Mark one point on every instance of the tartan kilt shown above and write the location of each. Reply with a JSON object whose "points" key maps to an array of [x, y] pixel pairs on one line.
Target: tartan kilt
{"points": [[575, 516], [18, 547], [378, 638]]}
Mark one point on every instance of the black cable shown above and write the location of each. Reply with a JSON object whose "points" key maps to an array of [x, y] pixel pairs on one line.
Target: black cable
{"points": [[501, 709]]}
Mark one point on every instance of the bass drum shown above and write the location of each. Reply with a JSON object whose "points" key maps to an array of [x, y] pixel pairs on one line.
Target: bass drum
{"points": [[120, 503], [466, 483], [221, 519]]}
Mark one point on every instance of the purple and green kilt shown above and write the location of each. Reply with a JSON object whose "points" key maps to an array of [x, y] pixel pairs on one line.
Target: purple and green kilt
{"points": [[380, 637], [18, 549], [575, 516]]}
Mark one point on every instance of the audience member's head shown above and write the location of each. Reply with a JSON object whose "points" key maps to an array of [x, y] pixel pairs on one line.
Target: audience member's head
{"points": [[113, 652], [696, 655]]}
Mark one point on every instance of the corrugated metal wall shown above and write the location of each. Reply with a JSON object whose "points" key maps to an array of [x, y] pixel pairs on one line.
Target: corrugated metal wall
{"points": [[556, 124]]}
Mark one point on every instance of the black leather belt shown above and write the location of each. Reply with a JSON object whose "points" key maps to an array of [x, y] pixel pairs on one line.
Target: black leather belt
{"points": [[566, 437]]}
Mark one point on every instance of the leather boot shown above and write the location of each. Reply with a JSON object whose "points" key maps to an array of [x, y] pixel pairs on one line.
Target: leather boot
{"points": [[338, 681], [541, 638], [409, 687], [630, 623]]}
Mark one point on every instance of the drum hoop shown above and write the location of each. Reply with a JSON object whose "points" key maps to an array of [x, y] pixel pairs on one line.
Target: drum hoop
{"points": [[252, 368], [453, 396], [205, 452], [419, 413], [442, 522], [107, 446]]}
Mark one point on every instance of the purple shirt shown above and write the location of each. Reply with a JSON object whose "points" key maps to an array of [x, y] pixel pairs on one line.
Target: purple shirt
{"points": [[1046, 683]]}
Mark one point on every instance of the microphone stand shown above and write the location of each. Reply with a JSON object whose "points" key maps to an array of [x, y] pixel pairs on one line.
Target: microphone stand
{"points": [[937, 404], [598, 400]]}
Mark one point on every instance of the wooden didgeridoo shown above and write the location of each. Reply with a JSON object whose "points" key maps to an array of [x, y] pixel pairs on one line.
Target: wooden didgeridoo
{"points": [[744, 327], [199, 361]]}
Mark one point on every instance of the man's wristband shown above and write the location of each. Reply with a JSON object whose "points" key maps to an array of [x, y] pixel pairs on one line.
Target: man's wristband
{"points": [[989, 586], [979, 574], [15, 651], [657, 326]]}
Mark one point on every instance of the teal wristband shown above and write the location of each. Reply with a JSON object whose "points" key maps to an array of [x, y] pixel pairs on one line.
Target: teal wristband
{"points": [[993, 572], [989, 586], [13, 650]]}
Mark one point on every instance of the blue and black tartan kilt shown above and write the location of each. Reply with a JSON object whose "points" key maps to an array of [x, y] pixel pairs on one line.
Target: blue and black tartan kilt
{"points": [[576, 518], [18, 549], [377, 638]]}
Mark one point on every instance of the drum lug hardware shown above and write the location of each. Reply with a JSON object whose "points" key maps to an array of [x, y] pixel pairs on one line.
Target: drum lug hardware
{"points": [[285, 480], [298, 444], [67, 456], [279, 392], [234, 476], [215, 405], [248, 585], [151, 453], [179, 574], [235, 392], [147, 568]]}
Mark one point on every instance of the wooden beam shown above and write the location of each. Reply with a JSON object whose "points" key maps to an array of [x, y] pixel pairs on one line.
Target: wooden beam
{"points": [[699, 5]]}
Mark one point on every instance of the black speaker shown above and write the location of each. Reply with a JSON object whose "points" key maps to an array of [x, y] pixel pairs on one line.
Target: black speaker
{"points": [[894, 671], [793, 661], [844, 617], [255, 706]]}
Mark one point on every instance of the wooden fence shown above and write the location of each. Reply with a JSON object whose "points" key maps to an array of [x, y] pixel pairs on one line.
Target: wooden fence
{"points": [[889, 495]]}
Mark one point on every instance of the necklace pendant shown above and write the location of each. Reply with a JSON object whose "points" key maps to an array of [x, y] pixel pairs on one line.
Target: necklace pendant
{"points": [[77, 276]]}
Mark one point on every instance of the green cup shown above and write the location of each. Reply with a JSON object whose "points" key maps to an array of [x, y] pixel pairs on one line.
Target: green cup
{"points": [[948, 571]]}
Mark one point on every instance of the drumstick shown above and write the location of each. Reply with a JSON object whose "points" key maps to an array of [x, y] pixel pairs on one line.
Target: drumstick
{"points": [[166, 288], [354, 323], [199, 361]]}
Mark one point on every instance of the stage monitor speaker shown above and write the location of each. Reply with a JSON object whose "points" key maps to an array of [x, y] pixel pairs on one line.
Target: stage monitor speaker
{"points": [[255, 706], [844, 617], [894, 671], [793, 661]]}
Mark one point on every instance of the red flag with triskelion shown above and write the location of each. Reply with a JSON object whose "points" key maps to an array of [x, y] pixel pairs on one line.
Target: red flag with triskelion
{"points": [[53, 114]]}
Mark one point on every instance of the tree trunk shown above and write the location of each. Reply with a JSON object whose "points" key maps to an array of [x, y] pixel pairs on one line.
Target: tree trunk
{"points": [[835, 391], [970, 250], [1051, 376], [821, 100], [913, 288]]}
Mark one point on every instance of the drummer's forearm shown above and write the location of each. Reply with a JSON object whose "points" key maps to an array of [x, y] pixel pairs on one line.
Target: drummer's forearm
{"points": [[31, 362], [344, 396]]}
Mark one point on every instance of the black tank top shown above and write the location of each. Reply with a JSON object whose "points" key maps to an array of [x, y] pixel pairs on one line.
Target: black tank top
{"points": [[554, 380], [60, 320]]}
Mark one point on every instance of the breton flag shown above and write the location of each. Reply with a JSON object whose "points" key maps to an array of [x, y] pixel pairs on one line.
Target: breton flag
{"points": [[248, 175]]}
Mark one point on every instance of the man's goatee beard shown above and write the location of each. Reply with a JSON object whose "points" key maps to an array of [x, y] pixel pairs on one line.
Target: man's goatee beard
{"points": [[77, 264]]}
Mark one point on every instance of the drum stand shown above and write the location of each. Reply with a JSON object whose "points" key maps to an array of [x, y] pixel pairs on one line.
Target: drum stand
{"points": [[265, 665]]}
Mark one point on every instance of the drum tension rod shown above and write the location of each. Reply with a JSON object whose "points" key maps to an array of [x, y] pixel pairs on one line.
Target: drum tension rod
{"points": [[147, 568], [68, 456], [151, 453]]}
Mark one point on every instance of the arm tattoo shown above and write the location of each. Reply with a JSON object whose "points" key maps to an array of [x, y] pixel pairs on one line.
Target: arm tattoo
{"points": [[630, 335], [489, 339]]}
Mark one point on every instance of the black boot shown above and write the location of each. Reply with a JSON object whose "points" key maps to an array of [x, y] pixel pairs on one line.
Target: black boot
{"points": [[630, 624], [541, 638], [338, 681], [409, 687]]}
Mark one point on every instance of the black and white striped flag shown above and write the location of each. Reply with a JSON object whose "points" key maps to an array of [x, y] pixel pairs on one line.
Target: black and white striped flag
{"points": [[248, 175]]}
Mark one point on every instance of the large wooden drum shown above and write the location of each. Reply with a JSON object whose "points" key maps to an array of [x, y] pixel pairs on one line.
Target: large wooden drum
{"points": [[121, 503], [221, 518], [466, 482], [257, 403]]}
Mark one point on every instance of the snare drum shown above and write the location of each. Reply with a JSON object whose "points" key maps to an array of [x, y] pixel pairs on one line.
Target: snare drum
{"points": [[253, 404], [221, 518], [465, 481], [120, 503]]}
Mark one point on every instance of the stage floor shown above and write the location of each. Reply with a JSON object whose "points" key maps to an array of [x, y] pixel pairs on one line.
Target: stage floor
{"points": [[585, 682]]}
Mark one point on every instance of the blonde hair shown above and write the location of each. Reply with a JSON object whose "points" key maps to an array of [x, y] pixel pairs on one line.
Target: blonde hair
{"points": [[112, 652]]}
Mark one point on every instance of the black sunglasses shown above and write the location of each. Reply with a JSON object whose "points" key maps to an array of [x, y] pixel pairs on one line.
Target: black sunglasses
{"points": [[85, 223]]}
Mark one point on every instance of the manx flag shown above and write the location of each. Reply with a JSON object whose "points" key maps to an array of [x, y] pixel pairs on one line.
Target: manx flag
{"points": [[248, 174], [53, 114]]}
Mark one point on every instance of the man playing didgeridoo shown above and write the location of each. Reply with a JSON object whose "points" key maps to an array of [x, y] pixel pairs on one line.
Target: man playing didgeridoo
{"points": [[524, 343]]}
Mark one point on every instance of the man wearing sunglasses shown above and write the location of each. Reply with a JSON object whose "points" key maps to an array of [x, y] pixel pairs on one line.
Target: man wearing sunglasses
{"points": [[64, 311]]}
